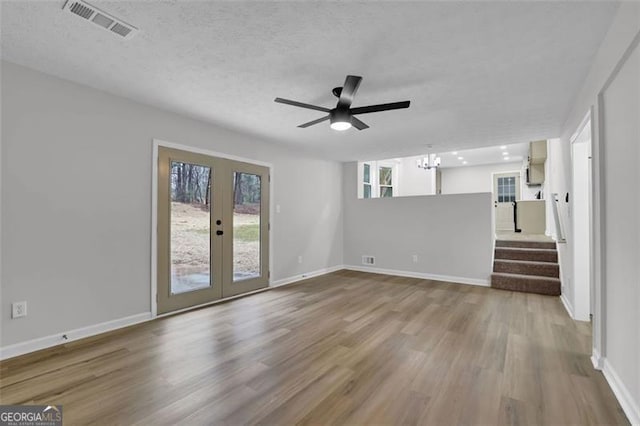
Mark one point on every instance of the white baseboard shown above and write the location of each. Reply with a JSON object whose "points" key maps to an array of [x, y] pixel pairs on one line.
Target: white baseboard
{"points": [[79, 333], [629, 406], [596, 359], [567, 305], [307, 275], [422, 275]]}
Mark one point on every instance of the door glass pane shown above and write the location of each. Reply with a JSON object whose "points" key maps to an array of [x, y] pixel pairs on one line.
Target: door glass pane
{"points": [[367, 190], [246, 226], [190, 227]]}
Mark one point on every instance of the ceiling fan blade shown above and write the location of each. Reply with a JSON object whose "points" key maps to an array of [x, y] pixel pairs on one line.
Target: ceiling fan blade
{"points": [[311, 123], [349, 89], [358, 124], [380, 107], [301, 105]]}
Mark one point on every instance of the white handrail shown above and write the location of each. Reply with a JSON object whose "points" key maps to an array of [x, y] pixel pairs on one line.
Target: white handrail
{"points": [[556, 216]]}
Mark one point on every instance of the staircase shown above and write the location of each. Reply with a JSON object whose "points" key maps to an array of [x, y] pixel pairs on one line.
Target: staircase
{"points": [[527, 266]]}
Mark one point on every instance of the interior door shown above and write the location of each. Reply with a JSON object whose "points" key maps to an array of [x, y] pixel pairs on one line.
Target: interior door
{"points": [[213, 228], [506, 191]]}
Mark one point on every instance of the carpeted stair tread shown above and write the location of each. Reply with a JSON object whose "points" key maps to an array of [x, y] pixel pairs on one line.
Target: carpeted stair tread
{"points": [[526, 283], [532, 254], [527, 267], [526, 244], [530, 277]]}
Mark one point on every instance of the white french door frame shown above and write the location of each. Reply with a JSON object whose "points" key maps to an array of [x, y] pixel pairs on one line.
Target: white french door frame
{"points": [[154, 219]]}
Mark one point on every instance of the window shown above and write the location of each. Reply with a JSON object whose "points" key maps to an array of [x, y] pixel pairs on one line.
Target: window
{"points": [[386, 181], [506, 189], [366, 181]]}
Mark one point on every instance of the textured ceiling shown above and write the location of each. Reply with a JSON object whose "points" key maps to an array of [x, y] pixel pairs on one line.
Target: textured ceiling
{"points": [[477, 73]]}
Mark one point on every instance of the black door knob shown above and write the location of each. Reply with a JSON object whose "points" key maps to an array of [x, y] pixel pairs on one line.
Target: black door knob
{"points": [[219, 232], [218, 222]]}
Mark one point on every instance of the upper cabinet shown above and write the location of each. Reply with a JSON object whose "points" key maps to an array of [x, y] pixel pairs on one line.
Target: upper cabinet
{"points": [[537, 152], [537, 157]]}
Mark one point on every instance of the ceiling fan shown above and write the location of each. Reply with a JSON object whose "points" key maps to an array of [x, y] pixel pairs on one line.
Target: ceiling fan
{"points": [[342, 116]]}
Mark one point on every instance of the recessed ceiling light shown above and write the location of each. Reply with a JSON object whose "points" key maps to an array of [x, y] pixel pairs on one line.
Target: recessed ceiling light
{"points": [[505, 153], [506, 158], [503, 147], [460, 158], [455, 152], [464, 162]]}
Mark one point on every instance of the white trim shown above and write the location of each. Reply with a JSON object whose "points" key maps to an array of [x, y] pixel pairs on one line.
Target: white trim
{"points": [[154, 229], [629, 406], [154, 211], [72, 335], [422, 275], [166, 144], [596, 359], [567, 305], [296, 278], [582, 312], [582, 124]]}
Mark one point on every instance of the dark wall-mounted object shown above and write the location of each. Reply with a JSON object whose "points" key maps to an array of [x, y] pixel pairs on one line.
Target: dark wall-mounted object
{"points": [[515, 217], [566, 198]]}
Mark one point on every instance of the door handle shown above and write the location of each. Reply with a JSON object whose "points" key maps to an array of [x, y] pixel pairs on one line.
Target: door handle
{"points": [[218, 232]]}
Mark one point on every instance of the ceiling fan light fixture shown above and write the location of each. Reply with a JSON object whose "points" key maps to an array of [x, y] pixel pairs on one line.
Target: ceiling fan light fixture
{"points": [[340, 120], [340, 125], [343, 117]]}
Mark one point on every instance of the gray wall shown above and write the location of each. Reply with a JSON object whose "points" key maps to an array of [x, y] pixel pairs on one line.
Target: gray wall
{"points": [[451, 234], [76, 202], [616, 205], [468, 179], [622, 222]]}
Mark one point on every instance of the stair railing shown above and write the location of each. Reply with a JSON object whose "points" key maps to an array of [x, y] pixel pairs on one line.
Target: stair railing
{"points": [[560, 238]]}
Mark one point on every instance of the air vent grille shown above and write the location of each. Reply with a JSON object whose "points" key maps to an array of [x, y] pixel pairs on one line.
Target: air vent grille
{"points": [[102, 20], [368, 260], [81, 10], [121, 29], [105, 20]]}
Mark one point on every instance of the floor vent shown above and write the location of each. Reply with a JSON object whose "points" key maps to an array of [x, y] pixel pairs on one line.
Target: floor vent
{"points": [[368, 260], [105, 20]]}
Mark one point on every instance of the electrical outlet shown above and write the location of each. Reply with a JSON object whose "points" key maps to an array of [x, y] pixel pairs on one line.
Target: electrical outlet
{"points": [[299, 259], [415, 258], [18, 309]]}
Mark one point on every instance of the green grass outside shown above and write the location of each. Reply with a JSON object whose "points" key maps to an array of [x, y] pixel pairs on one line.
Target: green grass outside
{"points": [[247, 232], [241, 232]]}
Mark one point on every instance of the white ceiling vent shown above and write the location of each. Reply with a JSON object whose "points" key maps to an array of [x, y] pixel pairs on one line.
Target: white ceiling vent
{"points": [[99, 17]]}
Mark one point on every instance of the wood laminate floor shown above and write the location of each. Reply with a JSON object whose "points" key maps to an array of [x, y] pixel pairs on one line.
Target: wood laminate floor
{"points": [[344, 348]]}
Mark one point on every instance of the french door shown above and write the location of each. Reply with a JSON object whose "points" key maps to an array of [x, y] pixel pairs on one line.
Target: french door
{"points": [[213, 228]]}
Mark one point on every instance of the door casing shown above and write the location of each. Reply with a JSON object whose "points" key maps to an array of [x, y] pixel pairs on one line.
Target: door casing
{"points": [[504, 206]]}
